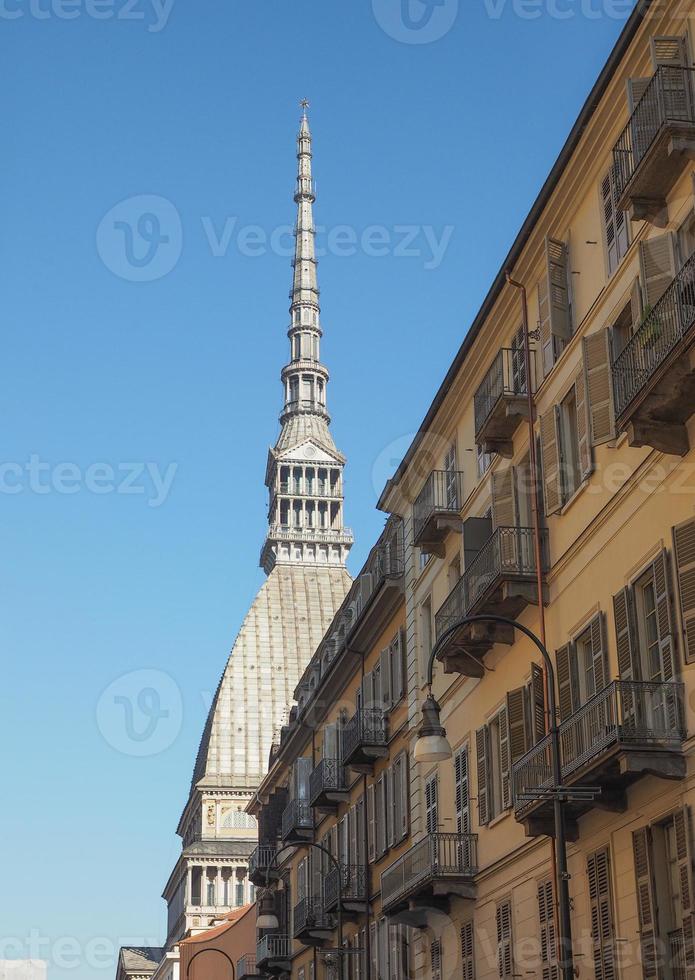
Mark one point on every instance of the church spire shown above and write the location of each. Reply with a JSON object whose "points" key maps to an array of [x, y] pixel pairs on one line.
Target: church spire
{"points": [[305, 470]]}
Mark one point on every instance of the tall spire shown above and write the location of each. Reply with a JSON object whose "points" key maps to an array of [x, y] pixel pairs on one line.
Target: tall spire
{"points": [[305, 470]]}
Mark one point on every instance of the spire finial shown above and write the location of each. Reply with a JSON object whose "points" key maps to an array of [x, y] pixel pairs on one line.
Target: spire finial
{"points": [[305, 104]]}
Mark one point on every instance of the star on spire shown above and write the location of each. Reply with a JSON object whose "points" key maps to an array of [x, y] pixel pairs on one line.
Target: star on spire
{"points": [[305, 104]]}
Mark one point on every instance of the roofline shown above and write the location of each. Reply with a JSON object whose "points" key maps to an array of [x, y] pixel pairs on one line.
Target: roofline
{"points": [[576, 133]]}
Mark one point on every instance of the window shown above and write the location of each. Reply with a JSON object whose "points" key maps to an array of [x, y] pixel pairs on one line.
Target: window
{"points": [[622, 330], [546, 917], [461, 792], [616, 227], [452, 494], [436, 959], [492, 745], [644, 625], [518, 363], [484, 461], [602, 927], [423, 560], [468, 951], [569, 443], [431, 815], [505, 950], [685, 239], [566, 446]]}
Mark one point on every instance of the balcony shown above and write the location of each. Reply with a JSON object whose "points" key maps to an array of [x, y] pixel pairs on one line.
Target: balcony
{"points": [[299, 406], [500, 580], [427, 875], [379, 591], [628, 730], [312, 925], [328, 785], [436, 511], [653, 148], [365, 739], [297, 822], [349, 889], [501, 403], [260, 860], [274, 954], [246, 968], [654, 375]]}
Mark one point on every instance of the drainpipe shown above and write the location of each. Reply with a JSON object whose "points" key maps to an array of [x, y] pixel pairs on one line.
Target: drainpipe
{"points": [[538, 545]]}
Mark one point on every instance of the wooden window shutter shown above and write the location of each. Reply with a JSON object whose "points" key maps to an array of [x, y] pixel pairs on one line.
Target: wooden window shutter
{"points": [[599, 651], [646, 902], [599, 387], [556, 254], [615, 222], [684, 550], [436, 959], [405, 796], [550, 455], [547, 346], [467, 951], [461, 792], [537, 702], [664, 615], [361, 832], [565, 680], [371, 824], [389, 798], [684, 857], [636, 303], [505, 957], [636, 87], [431, 805], [398, 667], [505, 759], [518, 736], [385, 677], [668, 50], [373, 950], [657, 267], [546, 917], [583, 440], [396, 798], [626, 634], [481, 737], [352, 834], [598, 872], [503, 498]]}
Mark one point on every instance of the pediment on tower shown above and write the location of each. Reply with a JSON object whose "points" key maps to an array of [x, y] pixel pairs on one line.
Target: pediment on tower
{"points": [[308, 452]]}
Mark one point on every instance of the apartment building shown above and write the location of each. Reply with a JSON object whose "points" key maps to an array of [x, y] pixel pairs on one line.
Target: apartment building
{"points": [[552, 483]]}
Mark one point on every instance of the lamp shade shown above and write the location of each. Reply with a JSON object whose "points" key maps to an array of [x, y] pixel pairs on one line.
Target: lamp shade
{"points": [[267, 919], [431, 744]]}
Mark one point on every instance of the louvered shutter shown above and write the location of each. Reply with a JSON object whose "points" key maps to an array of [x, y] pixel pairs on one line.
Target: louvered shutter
{"points": [[641, 122], [467, 951], [405, 796], [385, 677], [505, 958], [461, 793], [505, 759], [565, 681], [684, 551], [516, 715], [547, 346], [436, 959], [537, 702], [361, 833], [664, 617], [373, 950], [397, 798], [481, 737], [646, 902], [615, 222], [371, 824], [684, 857], [599, 652], [381, 816], [599, 387], [546, 917], [431, 805], [583, 440], [330, 742], [636, 303], [636, 87], [389, 793], [550, 455], [558, 288], [503, 504], [657, 267], [397, 667], [626, 635], [598, 872], [352, 835], [668, 50]]}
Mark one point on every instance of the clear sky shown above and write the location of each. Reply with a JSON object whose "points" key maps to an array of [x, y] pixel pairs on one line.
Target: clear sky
{"points": [[140, 359]]}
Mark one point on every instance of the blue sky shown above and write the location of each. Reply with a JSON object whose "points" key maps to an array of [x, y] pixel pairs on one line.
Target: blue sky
{"points": [[109, 384]]}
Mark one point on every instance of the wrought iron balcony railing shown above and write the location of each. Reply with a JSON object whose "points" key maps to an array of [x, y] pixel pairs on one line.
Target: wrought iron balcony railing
{"points": [[505, 379], [327, 777], [436, 858], [661, 330], [260, 859], [309, 914], [296, 816], [349, 886], [627, 713], [667, 101], [508, 554], [366, 728], [441, 494], [246, 967], [273, 947]]}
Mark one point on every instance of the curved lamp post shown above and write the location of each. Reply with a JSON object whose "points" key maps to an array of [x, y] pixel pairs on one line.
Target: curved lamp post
{"points": [[432, 746], [212, 950], [267, 918]]}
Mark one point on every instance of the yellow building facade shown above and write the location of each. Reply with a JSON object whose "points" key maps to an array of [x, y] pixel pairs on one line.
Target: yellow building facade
{"points": [[582, 356]]}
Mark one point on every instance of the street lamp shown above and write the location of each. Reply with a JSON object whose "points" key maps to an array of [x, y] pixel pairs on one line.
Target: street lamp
{"points": [[268, 919], [432, 745]]}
